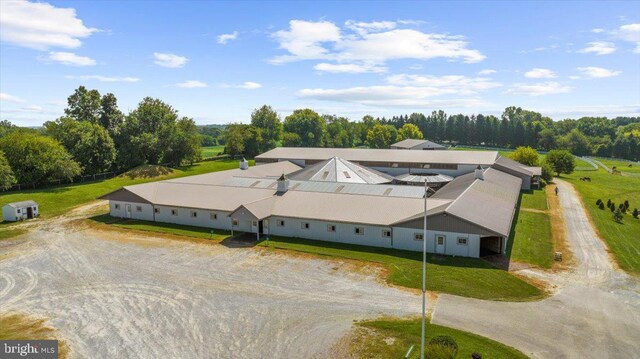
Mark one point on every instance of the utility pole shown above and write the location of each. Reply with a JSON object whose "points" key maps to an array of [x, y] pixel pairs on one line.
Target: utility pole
{"points": [[424, 270]]}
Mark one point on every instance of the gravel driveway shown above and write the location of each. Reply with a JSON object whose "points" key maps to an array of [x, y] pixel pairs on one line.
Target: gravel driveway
{"points": [[157, 298], [594, 314]]}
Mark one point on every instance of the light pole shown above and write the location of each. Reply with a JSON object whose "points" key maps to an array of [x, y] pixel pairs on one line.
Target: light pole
{"points": [[424, 269]]}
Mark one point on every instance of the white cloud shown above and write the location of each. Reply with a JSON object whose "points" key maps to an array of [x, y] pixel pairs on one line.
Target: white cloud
{"points": [[69, 58], [487, 72], [597, 30], [349, 68], [597, 72], [192, 84], [539, 89], [224, 38], [169, 60], [366, 27], [40, 26], [406, 90], [538, 73], [600, 48], [248, 85], [631, 33], [10, 98], [574, 77], [372, 43], [105, 78]]}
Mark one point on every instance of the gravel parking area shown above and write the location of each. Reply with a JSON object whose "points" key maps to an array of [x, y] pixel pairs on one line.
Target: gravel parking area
{"points": [[112, 295]]}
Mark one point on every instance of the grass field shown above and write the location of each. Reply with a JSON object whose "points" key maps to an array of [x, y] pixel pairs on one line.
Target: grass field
{"points": [[18, 327], [621, 238], [10, 233], [535, 199], [57, 200], [211, 151], [621, 165], [530, 240], [467, 277], [391, 338], [166, 228]]}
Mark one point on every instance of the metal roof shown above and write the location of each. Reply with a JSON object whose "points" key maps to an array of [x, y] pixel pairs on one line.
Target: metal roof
{"points": [[411, 143], [509, 164], [337, 169], [430, 178], [485, 158], [21, 204]]}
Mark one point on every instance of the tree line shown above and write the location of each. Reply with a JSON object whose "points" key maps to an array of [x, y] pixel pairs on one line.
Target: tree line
{"points": [[93, 137], [597, 136]]}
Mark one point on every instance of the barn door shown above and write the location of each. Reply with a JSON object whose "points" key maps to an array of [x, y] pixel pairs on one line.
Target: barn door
{"points": [[127, 211], [440, 244]]}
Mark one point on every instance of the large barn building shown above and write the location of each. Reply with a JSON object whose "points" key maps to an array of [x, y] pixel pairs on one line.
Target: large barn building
{"points": [[344, 195]]}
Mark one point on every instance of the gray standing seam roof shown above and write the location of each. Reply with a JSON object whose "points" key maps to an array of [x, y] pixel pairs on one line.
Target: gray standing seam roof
{"points": [[21, 204], [337, 169]]}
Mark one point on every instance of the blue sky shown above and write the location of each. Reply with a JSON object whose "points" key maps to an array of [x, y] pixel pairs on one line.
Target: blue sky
{"points": [[216, 61]]}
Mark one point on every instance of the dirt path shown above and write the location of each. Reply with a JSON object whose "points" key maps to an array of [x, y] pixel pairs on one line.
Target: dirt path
{"points": [[594, 314], [152, 297]]}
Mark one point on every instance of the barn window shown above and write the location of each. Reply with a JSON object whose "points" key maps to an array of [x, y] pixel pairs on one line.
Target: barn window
{"points": [[234, 222], [213, 216], [138, 208], [194, 214], [386, 233], [359, 231], [305, 225], [254, 223], [331, 227], [156, 210], [18, 210], [280, 223], [462, 241], [116, 206], [174, 212], [418, 237]]}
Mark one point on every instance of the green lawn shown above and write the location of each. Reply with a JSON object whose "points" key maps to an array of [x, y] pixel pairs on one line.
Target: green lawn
{"points": [[621, 165], [211, 151], [530, 240], [621, 238], [535, 199], [167, 228], [406, 333], [57, 200], [10, 233], [467, 277]]}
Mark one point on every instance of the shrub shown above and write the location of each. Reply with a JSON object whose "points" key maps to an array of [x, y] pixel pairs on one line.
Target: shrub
{"points": [[626, 204], [438, 351], [609, 203], [617, 215], [478, 355], [613, 207], [635, 213], [444, 340], [601, 205], [598, 202]]}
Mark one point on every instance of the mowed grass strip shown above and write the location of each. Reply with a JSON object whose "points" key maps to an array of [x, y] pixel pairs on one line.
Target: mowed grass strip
{"points": [[57, 200], [530, 240], [391, 338], [21, 327], [621, 238], [534, 199], [467, 277], [11, 233], [215, 235]]}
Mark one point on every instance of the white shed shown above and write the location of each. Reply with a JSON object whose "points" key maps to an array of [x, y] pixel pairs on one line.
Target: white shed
{"points": [[19, 211]]}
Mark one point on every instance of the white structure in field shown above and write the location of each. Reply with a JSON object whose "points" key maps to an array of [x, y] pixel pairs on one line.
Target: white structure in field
{"points": [[335, 200], [19, 211]]}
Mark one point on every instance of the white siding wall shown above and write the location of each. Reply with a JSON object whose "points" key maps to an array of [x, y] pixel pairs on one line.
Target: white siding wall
{"points": [[9, 214], [145, 214], [202, 218], [403, 238], [345, 232]]}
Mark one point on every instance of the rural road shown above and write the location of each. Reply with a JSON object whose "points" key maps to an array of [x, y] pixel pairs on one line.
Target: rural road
{"points": [[594, 314], [133, 297]]}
